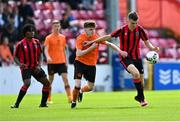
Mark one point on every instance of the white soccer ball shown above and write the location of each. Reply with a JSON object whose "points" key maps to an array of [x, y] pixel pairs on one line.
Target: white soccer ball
{"points": [[152, 57]]}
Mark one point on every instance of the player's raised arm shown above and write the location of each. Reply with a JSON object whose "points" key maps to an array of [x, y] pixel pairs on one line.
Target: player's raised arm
{"points": [[80, 52], [150, 46], [100, 39]]}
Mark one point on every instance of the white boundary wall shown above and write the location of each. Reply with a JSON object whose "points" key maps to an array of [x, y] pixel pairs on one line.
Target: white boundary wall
{"points": [[11, 81]]}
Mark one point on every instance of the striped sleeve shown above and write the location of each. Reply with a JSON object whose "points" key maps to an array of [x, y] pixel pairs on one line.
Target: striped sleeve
{"points": [[143, 35], [116, 33]]}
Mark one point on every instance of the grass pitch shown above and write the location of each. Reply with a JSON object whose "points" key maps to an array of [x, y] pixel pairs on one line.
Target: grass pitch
{"points": [[105, 106]]}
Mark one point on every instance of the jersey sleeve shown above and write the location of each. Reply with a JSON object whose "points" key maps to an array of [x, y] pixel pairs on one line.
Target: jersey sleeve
{"points": [[116, 33], [79, 44], [46, 42], [143, 34]]}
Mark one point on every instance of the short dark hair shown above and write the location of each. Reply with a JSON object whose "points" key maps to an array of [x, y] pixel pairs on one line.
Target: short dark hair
{"points": [[89, 24], [133, 15], [28, 28]]}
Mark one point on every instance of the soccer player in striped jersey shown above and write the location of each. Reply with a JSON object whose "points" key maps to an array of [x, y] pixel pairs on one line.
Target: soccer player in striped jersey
{"points": [[129, 37], [27, 55]]}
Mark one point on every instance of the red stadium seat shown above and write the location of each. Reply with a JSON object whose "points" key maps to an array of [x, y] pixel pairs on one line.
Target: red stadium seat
{"points": [[67, 33], [57, 14], [171, 43], [102, 47], [101, 32], [75, 14], [48, 14], [48, 24], [83, 14], [99, 6], [39, 24], [39, 5], [63, 5], [91, 14], [38, 14], [99, 14], [178, 53], [101, 24], [48, 6], [56, 5], [163, 43], [171, 53]]}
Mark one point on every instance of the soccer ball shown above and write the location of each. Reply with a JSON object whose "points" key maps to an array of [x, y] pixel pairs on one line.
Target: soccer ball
{"points": [[152, 57]]}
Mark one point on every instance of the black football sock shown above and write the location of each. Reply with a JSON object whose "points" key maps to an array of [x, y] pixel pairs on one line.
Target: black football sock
{"points": [[45, 94], [22, 93], [140, 90]]}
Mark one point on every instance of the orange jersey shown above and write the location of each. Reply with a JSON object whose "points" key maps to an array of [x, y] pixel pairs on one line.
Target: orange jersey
{"points": [[56, 48], [5, 53], [91, 57]]}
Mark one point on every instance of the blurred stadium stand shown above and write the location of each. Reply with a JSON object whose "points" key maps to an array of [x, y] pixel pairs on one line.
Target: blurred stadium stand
{"points": [[46, 11]]}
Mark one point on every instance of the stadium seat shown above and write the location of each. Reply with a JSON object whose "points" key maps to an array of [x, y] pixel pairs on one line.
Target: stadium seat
{"points": [[38, 14], [171, 43], [83, 14], [99, 6], [39, 5], [102, 47], [162, 43], [48, 14], [48, 6], [101, 32], [56, 5], [57, 14], [39, 24], [63, 5], [101, 24], [75, 14], [91, 14], [99, 14], [171, 53], [48, 24]]}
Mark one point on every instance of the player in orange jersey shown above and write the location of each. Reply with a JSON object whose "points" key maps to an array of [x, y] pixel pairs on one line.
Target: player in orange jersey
{"points": [[55, 44], [86, 59]]}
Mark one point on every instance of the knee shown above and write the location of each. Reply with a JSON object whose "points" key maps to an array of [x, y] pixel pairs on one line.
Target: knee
{"points": [[136, 75], [91, 87], [27, 83], [46, 82]]}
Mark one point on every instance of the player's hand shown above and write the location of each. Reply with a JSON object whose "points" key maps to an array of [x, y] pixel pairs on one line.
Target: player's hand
{"points": [[49, 60], [123, 54], [86, 43], [156, 49], [23, 66]]}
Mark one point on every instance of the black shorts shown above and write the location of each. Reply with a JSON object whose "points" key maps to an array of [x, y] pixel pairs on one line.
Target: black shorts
{"points": [[137, 63], [37, 73], [88, 72], [57, 68]]}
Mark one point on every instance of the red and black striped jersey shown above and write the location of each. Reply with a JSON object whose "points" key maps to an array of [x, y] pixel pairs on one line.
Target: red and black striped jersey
{"points": [[129, 40], [28, 52]]}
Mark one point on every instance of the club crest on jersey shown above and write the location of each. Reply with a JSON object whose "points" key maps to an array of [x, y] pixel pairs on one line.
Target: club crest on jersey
{"points": [[35, 45], [137, 33]]}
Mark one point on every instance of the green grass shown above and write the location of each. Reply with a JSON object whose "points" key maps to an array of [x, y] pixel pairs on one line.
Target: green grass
{"points": [[105, 106]]}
